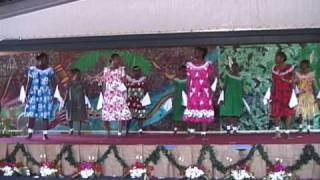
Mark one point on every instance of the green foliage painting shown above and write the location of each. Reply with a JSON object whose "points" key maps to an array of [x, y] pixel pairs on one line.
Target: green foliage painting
{"points": [[256, 62], [89, 60]]}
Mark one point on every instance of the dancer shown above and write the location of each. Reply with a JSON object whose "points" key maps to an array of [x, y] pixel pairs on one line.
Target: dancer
{"points": [[232, 106], [136, 91], [282, 79], [199, 94], [75, 101], [179, 83], [307, 106], [39, 103], [115, 107]]}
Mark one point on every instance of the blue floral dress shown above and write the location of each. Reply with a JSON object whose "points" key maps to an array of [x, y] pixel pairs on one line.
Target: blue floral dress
{"points": [[40, 97]]}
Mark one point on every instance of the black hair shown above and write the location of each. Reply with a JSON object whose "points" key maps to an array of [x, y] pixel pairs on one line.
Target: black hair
{"points": [[75, 71], [203, 50], [136, 68], [41, 56], [282, 54], [235, 64], [182, 67], [114, 55], [305, 61]]}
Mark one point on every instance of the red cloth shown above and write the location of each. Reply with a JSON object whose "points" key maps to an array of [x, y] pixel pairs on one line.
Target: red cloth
{"points": [[281, 91]]}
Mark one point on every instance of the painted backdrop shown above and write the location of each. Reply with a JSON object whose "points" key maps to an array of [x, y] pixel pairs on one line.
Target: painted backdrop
{"points": [[160, 66]]}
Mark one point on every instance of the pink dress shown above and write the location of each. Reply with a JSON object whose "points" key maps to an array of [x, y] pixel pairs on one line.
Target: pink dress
{"points": [[115, 107], [199, 97]]}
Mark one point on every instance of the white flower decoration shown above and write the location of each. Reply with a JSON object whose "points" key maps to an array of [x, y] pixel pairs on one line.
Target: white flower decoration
{"points": [[86, 173], [193, 172], [137, 172], [7, 171], [46, 171]]}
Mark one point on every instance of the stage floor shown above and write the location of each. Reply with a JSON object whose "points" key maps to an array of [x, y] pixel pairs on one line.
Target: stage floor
{"points": [[166, 139]]}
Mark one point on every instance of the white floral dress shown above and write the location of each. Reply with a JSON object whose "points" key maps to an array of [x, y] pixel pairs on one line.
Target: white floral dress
{"points": [[115, 107]]}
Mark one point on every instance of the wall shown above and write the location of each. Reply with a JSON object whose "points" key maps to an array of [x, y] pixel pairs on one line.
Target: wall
{"points": [[115, 17]]}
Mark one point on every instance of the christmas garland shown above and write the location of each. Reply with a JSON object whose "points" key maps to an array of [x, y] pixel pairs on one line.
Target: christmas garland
{"points": [[116, 155], [66, 149], [309, 153], [154, 157], [215, 163], [12, 156]]}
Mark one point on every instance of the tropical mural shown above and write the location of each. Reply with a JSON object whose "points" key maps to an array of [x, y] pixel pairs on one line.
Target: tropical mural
{"points": [[158, 64], [256, 62]]}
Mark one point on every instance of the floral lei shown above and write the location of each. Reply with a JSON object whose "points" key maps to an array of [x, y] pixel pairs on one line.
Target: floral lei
{"points": [[282, 73]]}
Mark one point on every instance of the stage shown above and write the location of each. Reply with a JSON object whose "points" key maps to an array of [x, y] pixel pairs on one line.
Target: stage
{"points": [[167, 153], [167, 138]]}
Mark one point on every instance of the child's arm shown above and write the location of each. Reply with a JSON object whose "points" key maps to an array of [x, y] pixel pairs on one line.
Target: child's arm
{"points": [[211, 73], [85, 92], [163, 73], [66, 98], [124, 75], [101, 78], [29, 81], [295, 82], [314, 88], [146, 86], [54, 81], [224, 86], [289, 78]]}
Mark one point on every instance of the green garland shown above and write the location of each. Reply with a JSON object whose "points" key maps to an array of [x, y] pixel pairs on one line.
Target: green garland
{"points": [[67, 148], [104, 156], [116, 154], [215, 163], [172, 159], [154, 157], [309, 153], [70, 157], [12, 156]]}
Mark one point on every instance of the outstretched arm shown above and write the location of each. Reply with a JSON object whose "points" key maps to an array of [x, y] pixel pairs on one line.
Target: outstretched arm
{"points": [[29, 82], [147, 86], [314, 87]]}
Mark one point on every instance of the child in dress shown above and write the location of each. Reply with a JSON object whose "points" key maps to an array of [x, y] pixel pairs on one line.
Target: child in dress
{"points": [[75, 101], [179, 83], [199, 94], [307, 106], [232, 106], [136, 91], [39, 102], [282, 79], [115, 107]]}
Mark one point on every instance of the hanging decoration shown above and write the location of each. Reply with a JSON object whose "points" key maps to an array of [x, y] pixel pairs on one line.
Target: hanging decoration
{"points": [[309, 153]]}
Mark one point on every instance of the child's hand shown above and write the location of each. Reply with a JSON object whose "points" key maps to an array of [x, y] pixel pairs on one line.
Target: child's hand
{"points": [[124, 80]]}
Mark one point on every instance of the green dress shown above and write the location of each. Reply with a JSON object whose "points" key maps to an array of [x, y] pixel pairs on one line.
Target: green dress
{"points": [[233, 104], [178, 109], [75, 102]]}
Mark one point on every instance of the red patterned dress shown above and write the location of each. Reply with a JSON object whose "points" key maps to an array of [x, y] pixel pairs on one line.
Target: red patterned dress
{"points": [[281, 91], [136, 91]]}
